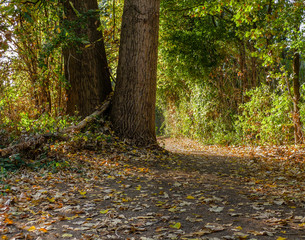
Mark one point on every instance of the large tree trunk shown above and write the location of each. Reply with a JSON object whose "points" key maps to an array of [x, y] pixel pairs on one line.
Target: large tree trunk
{"points": [[298, 132], [86, 67], [133, 112]]}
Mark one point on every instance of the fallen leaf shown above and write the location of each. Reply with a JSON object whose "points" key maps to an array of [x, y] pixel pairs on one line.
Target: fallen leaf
{"points": [[43, 230], [82, 193], [8, 221], [198, 233], [33, 228], [216, 209], [239, 228], [176, 184], [177, 225], [67, 235], [73, 217], [215, 227], [104, 211], [173, 209], [51, 200], [190, 197]]}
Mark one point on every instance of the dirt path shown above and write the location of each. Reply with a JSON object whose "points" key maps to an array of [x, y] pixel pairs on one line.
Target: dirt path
{"points": [[195, 193], [243, 205]]}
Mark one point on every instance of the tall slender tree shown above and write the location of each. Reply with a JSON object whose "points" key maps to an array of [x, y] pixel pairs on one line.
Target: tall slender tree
{"points": [[298, 132], [86, 67], [133, 112]]}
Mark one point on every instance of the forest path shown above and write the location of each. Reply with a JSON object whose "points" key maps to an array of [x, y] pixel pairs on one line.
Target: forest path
{"points": [[196, 192], [246, 196]]}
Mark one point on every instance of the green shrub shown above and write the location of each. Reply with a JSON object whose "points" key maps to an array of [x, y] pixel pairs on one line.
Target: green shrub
{"points": [[200, 116], [266, 117], [44, 124]]}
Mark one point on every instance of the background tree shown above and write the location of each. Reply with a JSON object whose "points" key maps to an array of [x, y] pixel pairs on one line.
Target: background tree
{"points": [[86, 67], [133, 112], [34, 87], [297, 16]]}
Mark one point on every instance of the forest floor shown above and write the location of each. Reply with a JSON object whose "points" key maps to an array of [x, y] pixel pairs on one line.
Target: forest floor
{"points": [[115, 191]]}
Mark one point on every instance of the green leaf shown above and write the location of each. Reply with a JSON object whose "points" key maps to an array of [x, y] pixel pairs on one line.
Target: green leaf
{"points": [[67, 235], [104, 211], [177, 225]]}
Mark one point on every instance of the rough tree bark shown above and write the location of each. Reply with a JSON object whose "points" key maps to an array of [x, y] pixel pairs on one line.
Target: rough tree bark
{"points": [[86, 67], [133, 111]]}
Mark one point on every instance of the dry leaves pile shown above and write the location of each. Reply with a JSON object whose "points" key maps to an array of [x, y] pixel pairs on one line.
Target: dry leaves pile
{"points": [[106, 189]]}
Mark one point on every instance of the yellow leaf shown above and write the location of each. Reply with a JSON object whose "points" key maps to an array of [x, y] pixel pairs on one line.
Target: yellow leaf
{"points": [[104, 211], [173, 209], [73, 217], [82, 193], [32, 229], [51, 199], [88, 45], [177, 225], [58, 30], [4, 237], [138, 187], [302, 225], [239, 228], [190, 197], [281, 238]]}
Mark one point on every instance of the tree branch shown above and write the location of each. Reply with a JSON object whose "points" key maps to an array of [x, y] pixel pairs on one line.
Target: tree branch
{"points": [[38, 140]]}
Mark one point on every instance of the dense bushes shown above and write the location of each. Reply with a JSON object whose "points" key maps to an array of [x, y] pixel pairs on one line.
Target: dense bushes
{"points": [[266, 117], [199, 115]]}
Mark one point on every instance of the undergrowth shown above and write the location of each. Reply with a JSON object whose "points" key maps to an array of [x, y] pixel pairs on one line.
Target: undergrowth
{"points": [[265, 118]]}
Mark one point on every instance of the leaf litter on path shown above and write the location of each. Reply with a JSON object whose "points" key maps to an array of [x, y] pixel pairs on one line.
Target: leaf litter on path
{"points": [[123, 192]]}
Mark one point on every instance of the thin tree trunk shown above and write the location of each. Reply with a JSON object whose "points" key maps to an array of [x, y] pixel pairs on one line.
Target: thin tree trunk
{"points": [[86, 67], [298, 132], [133, 112], [243, 66], [254, 78]]}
